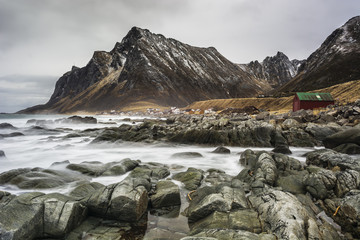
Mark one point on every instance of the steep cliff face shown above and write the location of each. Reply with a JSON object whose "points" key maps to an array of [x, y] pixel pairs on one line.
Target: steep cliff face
{"points": [[336, 61], [276, 70], [150, 68]]}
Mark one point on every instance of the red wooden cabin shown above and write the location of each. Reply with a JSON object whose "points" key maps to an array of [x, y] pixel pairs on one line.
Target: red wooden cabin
{"points": [[311, 100]]}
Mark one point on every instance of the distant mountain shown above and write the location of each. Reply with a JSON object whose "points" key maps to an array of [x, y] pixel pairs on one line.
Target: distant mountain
{"points": [[276, 70], [150, 68], [336, 61]]}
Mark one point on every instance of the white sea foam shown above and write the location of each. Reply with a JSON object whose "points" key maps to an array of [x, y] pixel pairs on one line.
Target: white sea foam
{"points": [[41, 148]]}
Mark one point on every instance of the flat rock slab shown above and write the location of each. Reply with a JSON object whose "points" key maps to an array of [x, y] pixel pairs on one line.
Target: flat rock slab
{"points": [[167, 195]]}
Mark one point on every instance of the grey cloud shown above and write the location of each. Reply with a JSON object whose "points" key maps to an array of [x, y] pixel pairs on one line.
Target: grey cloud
{"points": [[19, 92], [47, 37]]}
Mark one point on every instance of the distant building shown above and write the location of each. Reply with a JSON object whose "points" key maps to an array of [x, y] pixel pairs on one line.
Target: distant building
{"points": [[311, 100]]}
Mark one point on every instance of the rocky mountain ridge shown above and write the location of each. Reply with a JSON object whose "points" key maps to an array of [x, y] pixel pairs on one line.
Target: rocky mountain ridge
{"points": [[277, 70], [336, 61], [150, 68]]}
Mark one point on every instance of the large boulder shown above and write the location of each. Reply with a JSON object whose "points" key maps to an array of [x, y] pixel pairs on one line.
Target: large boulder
{"points": [[85, 190], [2, 154], [120, 168], [327, 158], [208, 199], [320, 132], [348, 148], [191, 178], [346, 181], [167, 195], [6, 126], [124, 201], [22, 217], [93, 168], [37, 178], [221, 150], [349, 214], [78, 119], [292, 183], [245, 219], [187, 155], [347, 136], [320, 182], [61, 214], [284, 215], [266, 170]]}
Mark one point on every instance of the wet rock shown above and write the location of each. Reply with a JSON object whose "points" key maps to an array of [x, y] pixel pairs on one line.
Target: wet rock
{"points": [[349, 213], [346, 136], [167, 195], [224, 234], [94, 168], [160, 233], [266, 170], [320, 132], [6, 177], [207, 200], [348, 148], [22, 217], [290, 123], [245, 219], [187, 155], [202, 136], [85, 190], [263, 116], [281, 146], [99, 229], [61, 214], [209, 204], [38, 178], [298, 138], [2, 154], [78, 119], [320, 183], [6, 126], [158, 173], [292, 183], [284, 162], [121, 168], [150, 171], [14, 134], [216, 177], [125, 201], [221, 150], [284, 149], [248, 158], [282, 214], [327, 158], [346, 181], [191, 178]]}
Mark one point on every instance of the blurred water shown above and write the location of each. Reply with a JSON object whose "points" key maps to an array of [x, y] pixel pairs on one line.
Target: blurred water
{"points": [[41, 148]]}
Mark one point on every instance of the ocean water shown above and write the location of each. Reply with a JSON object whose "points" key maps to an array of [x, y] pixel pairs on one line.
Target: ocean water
{"points": [[42, 147]]}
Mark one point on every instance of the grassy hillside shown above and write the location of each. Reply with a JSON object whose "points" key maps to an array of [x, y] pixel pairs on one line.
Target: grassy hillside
{"points": [[345, 92]]}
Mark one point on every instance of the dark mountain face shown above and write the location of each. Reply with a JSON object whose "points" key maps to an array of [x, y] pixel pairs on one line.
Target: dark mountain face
{"points": [[336, 61], [276, 70], [148, 67]]}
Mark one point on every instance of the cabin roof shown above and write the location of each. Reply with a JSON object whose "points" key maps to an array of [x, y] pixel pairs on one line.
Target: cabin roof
{"points": [[314, 96]]}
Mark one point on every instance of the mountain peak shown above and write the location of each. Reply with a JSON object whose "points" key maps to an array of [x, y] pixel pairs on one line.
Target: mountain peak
{"points": [[335, 61]]}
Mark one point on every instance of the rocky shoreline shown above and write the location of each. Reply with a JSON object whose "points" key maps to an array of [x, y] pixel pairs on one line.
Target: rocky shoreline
{"points": [[274, 197]]}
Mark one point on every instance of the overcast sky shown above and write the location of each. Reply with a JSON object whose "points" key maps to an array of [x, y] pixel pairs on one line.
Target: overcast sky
{"points": [[41, 39]]}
